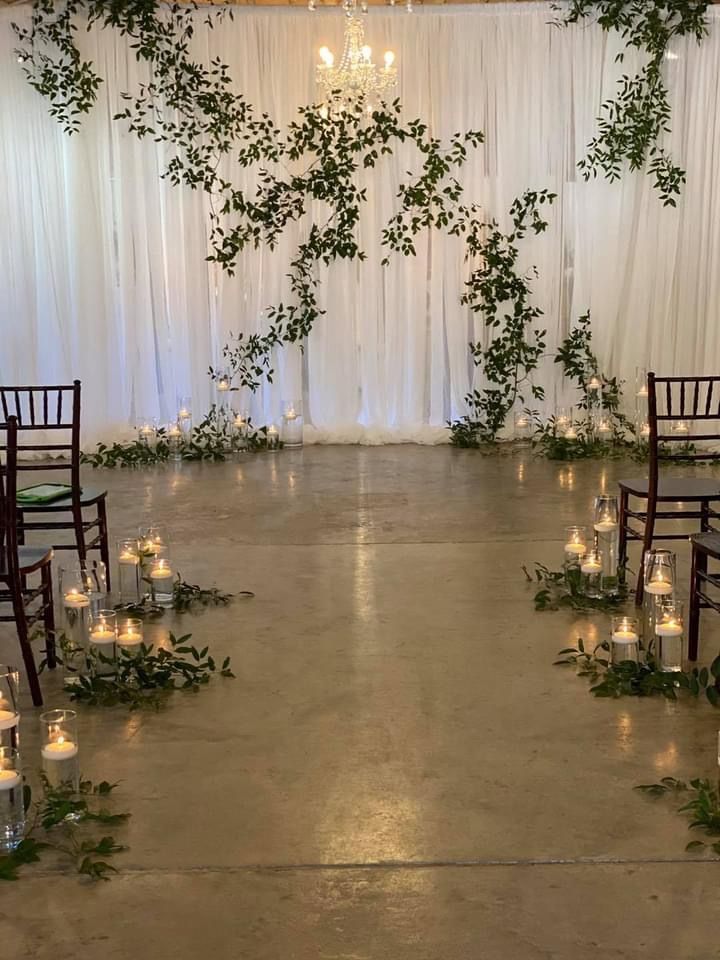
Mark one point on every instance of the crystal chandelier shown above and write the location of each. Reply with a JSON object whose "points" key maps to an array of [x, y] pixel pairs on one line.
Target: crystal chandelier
{"points": [[355, 80]]}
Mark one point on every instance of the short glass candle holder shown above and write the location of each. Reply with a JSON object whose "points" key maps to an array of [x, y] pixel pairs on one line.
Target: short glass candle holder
{"points": [[162, 579], [103, 635], [59, 748], [76, 610], [642, 429], [129, 636], [570, 432], [607, 538], [522, 425], [273, 438], [223, 384], [591, 568], [241, 430], [174, 440], [563, 419], [669, 635], [576, 543], [147, 430], [128, 559], [9, 705], [624, 640], [154, 542], [12, 807], [292, 424], [660, 573], [184, 417], [602, 427]]}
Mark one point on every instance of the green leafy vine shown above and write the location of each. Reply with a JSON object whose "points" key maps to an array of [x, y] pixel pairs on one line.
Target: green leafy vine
{"points": [[702, 806]]}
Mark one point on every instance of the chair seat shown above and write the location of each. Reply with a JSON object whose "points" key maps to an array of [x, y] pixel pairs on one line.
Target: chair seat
{"points": [[88, 497], [674, 488], [708, 543], [31, 559]]}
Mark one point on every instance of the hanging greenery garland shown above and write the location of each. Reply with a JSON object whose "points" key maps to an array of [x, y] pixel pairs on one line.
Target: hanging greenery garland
{"points": [[631, 126]]}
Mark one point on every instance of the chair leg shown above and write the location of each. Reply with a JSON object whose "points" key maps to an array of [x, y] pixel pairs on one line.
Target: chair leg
{"points": [[699, 566], [104, 546], [49, 617], [26, 649], [79, 532], [622, 558], [705, 517], [647, 545]]}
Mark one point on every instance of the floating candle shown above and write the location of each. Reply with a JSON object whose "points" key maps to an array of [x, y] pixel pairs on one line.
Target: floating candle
{"points": [[60, 749], [76, 599], [8, 719], [9, 779]]}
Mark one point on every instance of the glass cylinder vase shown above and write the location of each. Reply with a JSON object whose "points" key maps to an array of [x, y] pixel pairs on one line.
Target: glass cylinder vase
{"points": [[292, 424], [624, 640], [154, 542], [273, 438], [94, 576], [162, 579], [130, 636], [103, 635], [576, 544], [591, 568], [669, 635], [9, 705], [607, 538], [174, 440], [76, 617], [128, 559], [184, 417], [59, 748], [12, 806], [147, 429]]}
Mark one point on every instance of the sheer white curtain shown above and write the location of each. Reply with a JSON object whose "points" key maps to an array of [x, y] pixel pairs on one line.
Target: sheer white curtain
{"points": [[102, 263]]}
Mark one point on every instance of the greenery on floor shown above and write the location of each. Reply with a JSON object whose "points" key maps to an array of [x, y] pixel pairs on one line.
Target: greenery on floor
{"points": [[701, 805], [563, 589], [187, 598], [631, 125], [212, 439], [643, 679], [75, 841], [145, 679]]}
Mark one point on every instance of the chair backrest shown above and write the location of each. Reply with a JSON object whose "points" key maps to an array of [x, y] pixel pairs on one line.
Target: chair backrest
{"points": [[8, 489], [50, 416], [674, 404]]}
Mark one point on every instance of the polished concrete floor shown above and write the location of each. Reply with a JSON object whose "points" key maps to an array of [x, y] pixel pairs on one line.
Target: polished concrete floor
{"points": [[398, 770]]}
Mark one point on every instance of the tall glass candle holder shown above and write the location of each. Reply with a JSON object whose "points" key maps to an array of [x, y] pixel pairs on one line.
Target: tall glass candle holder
{"points": [[669, 635], [222, 385], [593, 400], [128, 559], [76, 610], [624, 640], [292, 424], [563, 419], [59, 748], [94, 576], [12, 807], [129, 636], [162, 579], [576, 543], [603, 426], [607, 538], [591, 568], [9, 705], [184, 417], [241, 429], [103, 634], [174, 440], [273, 438]]}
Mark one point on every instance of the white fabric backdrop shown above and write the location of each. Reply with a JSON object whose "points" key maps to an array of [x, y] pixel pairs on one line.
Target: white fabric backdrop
{"points": [[102, 263]]}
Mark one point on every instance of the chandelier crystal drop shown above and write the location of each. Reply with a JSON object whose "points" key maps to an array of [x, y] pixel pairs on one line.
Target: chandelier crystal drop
{"points": [[355, 80]]}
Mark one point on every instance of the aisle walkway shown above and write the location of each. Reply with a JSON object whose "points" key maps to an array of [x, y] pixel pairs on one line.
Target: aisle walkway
{"points": [[399, 772]]}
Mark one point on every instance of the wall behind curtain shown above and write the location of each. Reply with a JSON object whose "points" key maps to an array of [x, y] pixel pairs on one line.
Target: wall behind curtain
{"points": [[102, 263]]}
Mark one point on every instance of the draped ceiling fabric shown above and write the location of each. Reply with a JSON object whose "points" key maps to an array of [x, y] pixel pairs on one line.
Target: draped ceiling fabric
{"points": [[102, 262]]}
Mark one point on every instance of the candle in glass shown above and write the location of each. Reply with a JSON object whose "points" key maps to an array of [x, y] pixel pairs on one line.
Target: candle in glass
{"points": [[184, 417], [103, 633], [575, 543], [161, 581], [681, 428], [128, 556], [607, 536], [292, 424], [59, 748], [522, 425], [273, 438], [76, 610], [130, 635], [12, 807], [571, 433], [147, 432], [669, 632], [153, 541], [591, 568], [562, 419], [174, 442], [93, 575], [624, 640], [9, 714], [659, 572]]}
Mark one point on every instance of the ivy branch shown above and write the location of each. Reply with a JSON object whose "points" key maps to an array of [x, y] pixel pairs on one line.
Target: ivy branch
{"points": [[631, 126], [702, 806]]}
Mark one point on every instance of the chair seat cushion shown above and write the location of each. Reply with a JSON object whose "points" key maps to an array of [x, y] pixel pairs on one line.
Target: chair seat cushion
{"points": [[88, 497], [708, 543], [675, 488], [31, 559]]}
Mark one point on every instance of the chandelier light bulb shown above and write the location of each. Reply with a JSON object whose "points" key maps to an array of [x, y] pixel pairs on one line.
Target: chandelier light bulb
{"points": [[364, 6], [324, 112], [389, 58], [326, 56], [311, 4], [366, 52], [409, 6]]}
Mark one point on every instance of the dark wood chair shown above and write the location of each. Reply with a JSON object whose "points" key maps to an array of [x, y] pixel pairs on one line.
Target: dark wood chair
{"points": [[672, 399], [705, 547], [17, 563], [55, 412]]}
